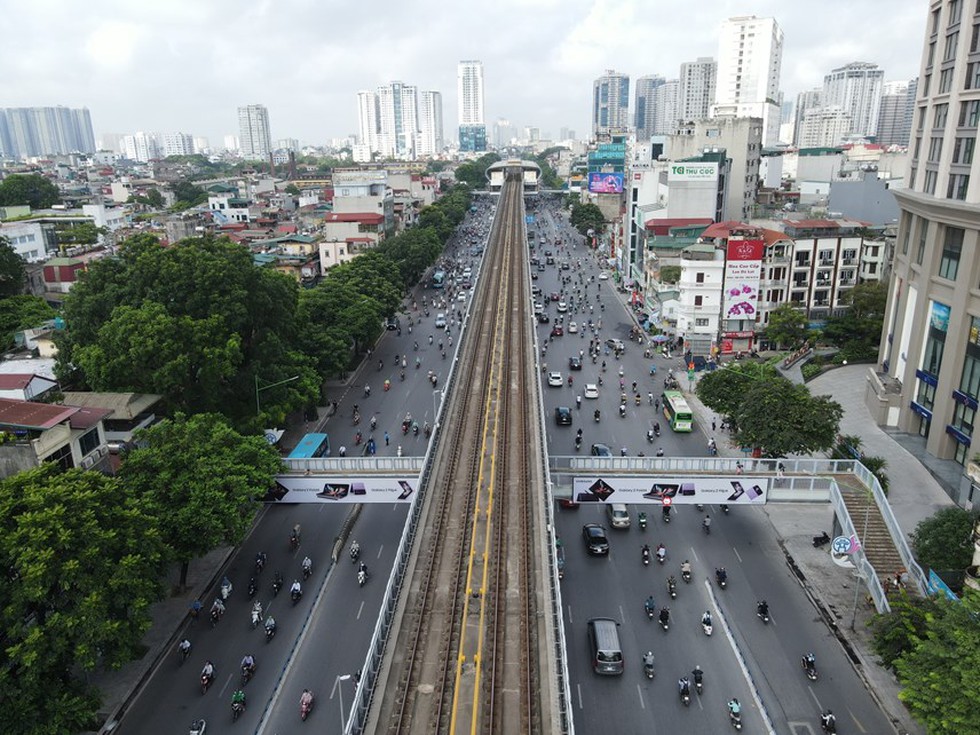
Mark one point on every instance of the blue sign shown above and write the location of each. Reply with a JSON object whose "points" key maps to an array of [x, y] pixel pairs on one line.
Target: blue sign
{"points": [[841, 545], [529, 218], [935, 584]]}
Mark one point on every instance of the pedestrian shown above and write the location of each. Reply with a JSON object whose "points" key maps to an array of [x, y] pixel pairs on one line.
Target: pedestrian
{"points": [[738, 468], [343, 451], [387, 439], [713, 425]]}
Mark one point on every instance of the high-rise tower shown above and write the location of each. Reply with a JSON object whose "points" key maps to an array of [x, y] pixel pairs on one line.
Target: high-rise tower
{"points": [[697, 88], [430, 123], [469, 97], [610, 103], [253, 129], [856, 89]]}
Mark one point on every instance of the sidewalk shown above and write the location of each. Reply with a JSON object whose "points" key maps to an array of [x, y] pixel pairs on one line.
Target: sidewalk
{"points": [[914, 495]]}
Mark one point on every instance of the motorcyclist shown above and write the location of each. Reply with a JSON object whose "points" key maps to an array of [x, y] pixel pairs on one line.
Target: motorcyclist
{"points": [[828, 721], [734, 707], [184, 646], [666, 512], [355, 549], [763, 608], [686, 568], [661, 552], [671, 582], [596, 414], [650, 605], [306, 699], [660, 451], [698, 674], [809, 662], [684, 686], [645, 551], [270, 623], [706, 523], [664, 615], [706, 618], [296, 588], [721, 575], [307, 565], [248, 663], [257, 608], [208, 670], [238, 698], [260, 560], [218, 606], [648, 659]]}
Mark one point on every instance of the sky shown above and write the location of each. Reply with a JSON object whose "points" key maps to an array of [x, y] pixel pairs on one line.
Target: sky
{"points": [[187, 65]]}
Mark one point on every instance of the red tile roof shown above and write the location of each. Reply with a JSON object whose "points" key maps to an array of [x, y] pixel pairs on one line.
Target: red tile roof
{"points": [[30, 415], [722, 229], [15, 381], [288, 228], [367, 218], [86, 418], [360, 239]]}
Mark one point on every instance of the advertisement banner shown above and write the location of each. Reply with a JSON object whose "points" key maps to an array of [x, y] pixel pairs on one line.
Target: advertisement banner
{"points": [[605, 183], [743, 271], [302, 489], [670, 490], [692, 172]]}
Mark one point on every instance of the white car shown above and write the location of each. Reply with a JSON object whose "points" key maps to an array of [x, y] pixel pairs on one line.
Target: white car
{"points": [[591, 390], [572, 327], [554, 379], [562, 307], [603, 276], [440, 321], [462, 296]]}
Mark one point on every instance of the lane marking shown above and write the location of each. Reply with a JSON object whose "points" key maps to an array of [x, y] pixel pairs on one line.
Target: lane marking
{"points": [[380, 551], [639, 693], [225, 687], [360, 609], [578, 688], [737, 555], [814, 695], [569, 614]]}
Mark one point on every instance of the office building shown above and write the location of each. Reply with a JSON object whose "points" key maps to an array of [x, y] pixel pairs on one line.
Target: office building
{"points": [[177, 144], [469, 98], [805, 102], [610, 103], [894, 124], [856, 89], [141, 147], [42, 131], [750, 55], [253, 131], [398, 124], [697, 88], [430, 123], [929, 379], [503, 133], [644, 107], [367, 120], [824, 127]]}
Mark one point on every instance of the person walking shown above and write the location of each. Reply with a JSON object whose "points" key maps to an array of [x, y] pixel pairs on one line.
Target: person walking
{"points": [[387, 439]]}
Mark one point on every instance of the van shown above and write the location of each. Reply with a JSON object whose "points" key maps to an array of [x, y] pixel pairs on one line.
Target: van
{"points": [[607, 654], [619, 516]]}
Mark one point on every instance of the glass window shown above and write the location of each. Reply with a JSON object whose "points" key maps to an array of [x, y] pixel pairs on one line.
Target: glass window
{"points": [[955, 10], [969, 114], [952, 247], [698, 300], [946, 81], [933, 358], [940, 115], [963, 149], [929, 184], [923, 232], [972, 76], [699, 277], [957, 187], [907, 231], [935, 149], [975, 38]]}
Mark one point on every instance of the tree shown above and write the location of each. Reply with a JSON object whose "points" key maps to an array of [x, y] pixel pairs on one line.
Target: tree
{"points": [[83, 233], [943, 541], [940, 676], [670, 273], [585, 217], [12, 270], [82, 562], [898, 631], [292, 190], [474, 173], [723, 390], [33, 190], [151, 198], [188, 194], [200, 480], [781, 418], [787, 326], [858, 331], [21, 312]]}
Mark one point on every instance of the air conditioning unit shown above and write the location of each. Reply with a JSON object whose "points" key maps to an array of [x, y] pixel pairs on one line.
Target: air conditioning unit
{"points": [[87, 463]]}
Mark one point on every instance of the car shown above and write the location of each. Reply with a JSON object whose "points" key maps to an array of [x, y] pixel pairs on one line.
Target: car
{"points": [[548, 252], [393, 323], [538, 306], [467, 283], [541, 267], [440, 321], [616, 344], [618, 515], [550, 260], [564, 265], [536, 291], [543, 317], [573, 327], [555, 379], [557, 331], [569, 502], [591, 390], [603, 276], [554, 296], [601, 450], [534, 261], [562, 307], [574, 362], [534, 275], [563, 416], [595, 539], [462, 297]]}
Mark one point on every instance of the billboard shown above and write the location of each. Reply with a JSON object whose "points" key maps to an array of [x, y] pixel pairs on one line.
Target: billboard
{"points": [[743, 270], [305, 489], [684, 490], [605, 183], [692, 172]]}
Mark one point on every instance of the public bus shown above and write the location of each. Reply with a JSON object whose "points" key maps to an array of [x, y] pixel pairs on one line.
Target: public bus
{"points": [[676, 411], [439, 279], [311, 446]]}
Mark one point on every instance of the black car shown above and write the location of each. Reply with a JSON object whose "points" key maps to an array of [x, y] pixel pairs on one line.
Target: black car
{"points": [[595, 539], [534, 275], [543, 317], [563, 416], [601, 450], [574, 363]]}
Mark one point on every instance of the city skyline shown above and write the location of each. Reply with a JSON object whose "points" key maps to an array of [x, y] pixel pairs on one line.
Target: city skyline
{"points": [[120, 60]]}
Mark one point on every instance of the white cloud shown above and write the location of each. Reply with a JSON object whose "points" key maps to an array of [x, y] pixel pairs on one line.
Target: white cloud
{"points": [[112, 44]]}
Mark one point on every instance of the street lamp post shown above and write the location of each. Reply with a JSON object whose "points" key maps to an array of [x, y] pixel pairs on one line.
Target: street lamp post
{"points": [[337, 687], [258, 390]]}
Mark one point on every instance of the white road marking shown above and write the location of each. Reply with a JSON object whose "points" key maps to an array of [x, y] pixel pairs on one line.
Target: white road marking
{"points": [[380, 549], [737, 555], [360, 610], [578, 688], [639, 693], [569, 614]]}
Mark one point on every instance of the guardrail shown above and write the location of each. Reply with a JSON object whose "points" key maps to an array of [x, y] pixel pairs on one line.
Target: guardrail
{"points": [[355, 465], [863, 565]]}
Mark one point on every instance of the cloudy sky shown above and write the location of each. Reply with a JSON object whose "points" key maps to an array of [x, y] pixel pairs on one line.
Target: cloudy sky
{"points": [[186, 65]]}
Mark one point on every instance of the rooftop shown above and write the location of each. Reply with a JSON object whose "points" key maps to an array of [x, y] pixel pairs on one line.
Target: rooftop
{"points": [[29, 415]]}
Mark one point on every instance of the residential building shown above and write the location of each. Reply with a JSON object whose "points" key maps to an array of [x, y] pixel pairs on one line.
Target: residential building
{"points": [[398, 123], [610, 103], [25, 386], [364, 191], [805, 102], [856, 88], [699, 297], [666, 107], [367, 120], [697, 88], [128, 412], [469, 98], [644, 107], [503, 133], [750, 55], [39, 131], [177, 144], [142, 147], [894, 124], [430, 124], [868, 198], [929, 384], [740, 138], [255, 136], [824, 127]]}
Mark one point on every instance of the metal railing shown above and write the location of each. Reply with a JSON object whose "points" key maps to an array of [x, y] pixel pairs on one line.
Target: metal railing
{"points": [[867, 572]]}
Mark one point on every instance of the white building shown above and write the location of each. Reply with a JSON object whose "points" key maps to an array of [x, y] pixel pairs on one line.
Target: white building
{"points": [[178, 144], [469, 92], [750, 54], [367, 120], [398, 123], [856, 88], [893, 121], [805, 101], [824, 127], [610, 103], [698, 310], [359, 192], [430, 124], [232, 143], [141, 147], [645, 106], [254, 133], [697, 88], [201, 144]]}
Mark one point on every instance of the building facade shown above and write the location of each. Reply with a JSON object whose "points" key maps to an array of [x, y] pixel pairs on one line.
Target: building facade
{"points": [[469, 95], [39, 131], [367, 120], [610, 103], [398, 120], [856, 88], [430, 123], [805, 102], [930, 346], [255, 137], [824, 127], [697, 88], [750, 56], [644, 106], [894, 125]]}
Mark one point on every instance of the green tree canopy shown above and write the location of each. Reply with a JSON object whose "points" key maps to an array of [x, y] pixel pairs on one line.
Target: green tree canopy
{"points": [[670, 273], [12, 270], [200, 480], [31, 189], [858, 330], [197, 322], [82, 562], [585, 217], [723, 390], [152, 198], [188, 195], [898, 631], [944, 540], [83, 233], [21, 312], [474, 173], [292, 189], [940, 676], [787, 326]]}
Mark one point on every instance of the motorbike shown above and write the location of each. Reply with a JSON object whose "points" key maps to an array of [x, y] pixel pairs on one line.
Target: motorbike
{"points": [[819, 541], [650, 435], [661, 555], [362, 576], [643, 521], [664, 619], [724, 509], [722, 578], [672, 588], [685, 694], [622, 410], [225, 589], [828, 723], [706, 526], [578, 443], [304, 707], [293, 541], [698, 681], [762, 611], [247, 673], [307, 571], [236, 710], [259, 563], [651, 610], [198, 727], [182, 654], [666, 514], [270, 632], [596, 415], [686, 575], [646, 556], [256, 617], [296, 595], [707, 628], [648, 665], [215, 616], [736, 719], [206, 680], [809, 668], [276, 584], [355, 551], [252, 587]]}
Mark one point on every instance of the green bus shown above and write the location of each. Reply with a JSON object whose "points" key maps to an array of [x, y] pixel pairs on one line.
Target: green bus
{"points": [[677, 412]]}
